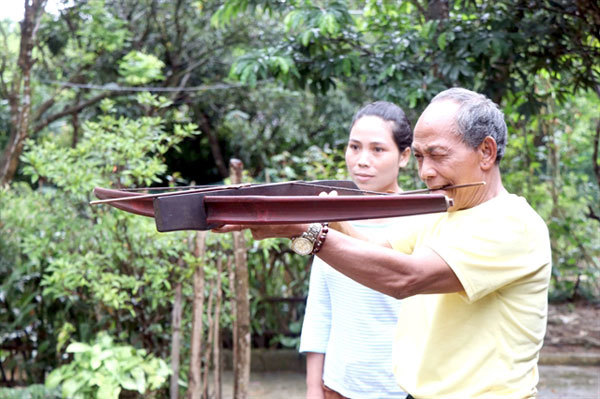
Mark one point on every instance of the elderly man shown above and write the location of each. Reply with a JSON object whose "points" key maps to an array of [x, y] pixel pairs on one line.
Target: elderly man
{"points": [[475, 278]]}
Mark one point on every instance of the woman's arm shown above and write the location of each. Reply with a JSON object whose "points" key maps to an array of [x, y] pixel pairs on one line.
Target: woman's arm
{"points": [[314, 375]]}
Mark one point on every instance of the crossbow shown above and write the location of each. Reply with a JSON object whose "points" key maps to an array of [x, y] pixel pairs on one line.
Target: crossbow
{"points": [[208, 207]]}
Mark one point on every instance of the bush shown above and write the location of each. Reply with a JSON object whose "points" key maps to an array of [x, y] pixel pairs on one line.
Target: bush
{"points": [[30, 392], [102, 370]]}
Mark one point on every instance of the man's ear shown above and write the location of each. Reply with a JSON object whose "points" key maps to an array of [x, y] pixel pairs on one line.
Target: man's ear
{"points": [[404, 157], [488, 150]]}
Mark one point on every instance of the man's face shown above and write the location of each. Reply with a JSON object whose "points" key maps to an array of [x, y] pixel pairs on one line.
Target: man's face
{"points": [[443, 158]]}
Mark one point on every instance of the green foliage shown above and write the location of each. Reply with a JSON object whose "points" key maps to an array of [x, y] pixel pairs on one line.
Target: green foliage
{"points": [[35, 391], [254, 66], [302, 69], [61, 257], [138, 68], [103, 369], [104, 31], [538, 165], [401, 53], [114, 147]]}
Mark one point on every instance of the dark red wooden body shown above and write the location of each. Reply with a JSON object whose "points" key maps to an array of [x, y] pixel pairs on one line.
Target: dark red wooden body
{"points": [[281, 203]]}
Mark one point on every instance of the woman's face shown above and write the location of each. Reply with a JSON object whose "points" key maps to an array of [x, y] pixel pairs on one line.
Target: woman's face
{"points": [[372, 157]]}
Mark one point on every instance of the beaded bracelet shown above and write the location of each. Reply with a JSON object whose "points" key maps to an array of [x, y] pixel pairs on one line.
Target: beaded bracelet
{"points": [[321, 238]]}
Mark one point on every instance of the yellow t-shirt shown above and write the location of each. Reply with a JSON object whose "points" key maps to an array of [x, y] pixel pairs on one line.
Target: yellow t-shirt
{"points": [[483, 342]]}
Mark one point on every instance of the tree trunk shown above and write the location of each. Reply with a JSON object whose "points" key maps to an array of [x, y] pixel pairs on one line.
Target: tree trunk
{"points": [[214, 144], [437, 9], [176, 342], [596, 161], [195, 374], [75, 123], [596, 166], [241, 355], [20, 92]]}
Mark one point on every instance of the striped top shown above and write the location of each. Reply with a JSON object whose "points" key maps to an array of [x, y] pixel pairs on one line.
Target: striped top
{"points": [[354, 326]]}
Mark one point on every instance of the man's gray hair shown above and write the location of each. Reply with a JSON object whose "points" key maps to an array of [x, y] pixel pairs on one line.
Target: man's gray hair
{"points": [[477, 117]]}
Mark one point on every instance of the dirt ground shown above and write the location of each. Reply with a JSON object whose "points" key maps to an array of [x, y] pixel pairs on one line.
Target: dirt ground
{"points": [[573, 327]]}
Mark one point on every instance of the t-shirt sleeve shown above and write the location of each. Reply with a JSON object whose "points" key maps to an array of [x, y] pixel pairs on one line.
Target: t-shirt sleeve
{"points": [[402, 235], [494, 250]]}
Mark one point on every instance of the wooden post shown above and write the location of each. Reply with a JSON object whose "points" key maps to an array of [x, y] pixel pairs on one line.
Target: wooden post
{"points": [[217, 333], [195, 374], [176, 340], [241, 353], [209, 340]]}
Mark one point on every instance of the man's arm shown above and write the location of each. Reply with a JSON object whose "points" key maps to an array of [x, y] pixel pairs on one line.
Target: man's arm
{"points": [[382, 269], [349, 230], [391, 272]]}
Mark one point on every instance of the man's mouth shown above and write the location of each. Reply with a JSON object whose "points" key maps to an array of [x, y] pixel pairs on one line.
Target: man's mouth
{"points": [[453, 186], [440, 188]]}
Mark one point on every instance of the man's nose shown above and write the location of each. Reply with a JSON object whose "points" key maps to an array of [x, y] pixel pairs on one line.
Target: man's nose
{"points": [[426, 170]]}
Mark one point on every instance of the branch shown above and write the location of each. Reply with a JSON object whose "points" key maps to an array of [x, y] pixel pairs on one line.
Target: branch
{"points": [[592, 215], [3, 84], [71, 110], [595, 155], [419, 7], [41, 110]]}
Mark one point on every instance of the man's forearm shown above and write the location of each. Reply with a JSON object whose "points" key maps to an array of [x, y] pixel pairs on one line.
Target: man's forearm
{"points": [[385, 270], [349, 230]]}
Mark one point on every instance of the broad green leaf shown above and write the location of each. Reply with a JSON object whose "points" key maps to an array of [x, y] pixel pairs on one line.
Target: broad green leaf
{"points": [[441, 41], [78, 347], [54, 378], [108, 391]]}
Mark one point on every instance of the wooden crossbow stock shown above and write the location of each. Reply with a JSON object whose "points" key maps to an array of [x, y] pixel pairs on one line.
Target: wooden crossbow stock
{"points": [[278, 203]]}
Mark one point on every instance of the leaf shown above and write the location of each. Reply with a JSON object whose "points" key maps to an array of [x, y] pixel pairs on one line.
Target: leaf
{"points": [[305, 37], [54, 378], [128, 382], [140, 379], [95, 361], [71, 386], [441, 41], [78, 347], [108, 391]]}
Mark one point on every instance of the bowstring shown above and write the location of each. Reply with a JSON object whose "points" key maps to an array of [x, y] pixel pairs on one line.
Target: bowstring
{"points": [[183, 189]]}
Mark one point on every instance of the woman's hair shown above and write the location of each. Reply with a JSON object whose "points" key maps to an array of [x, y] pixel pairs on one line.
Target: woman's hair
{"points": [[477, 117], [389, 112]]}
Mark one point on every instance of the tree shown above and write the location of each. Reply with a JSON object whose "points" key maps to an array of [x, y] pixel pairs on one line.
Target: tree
{"points": [[19, 91]]}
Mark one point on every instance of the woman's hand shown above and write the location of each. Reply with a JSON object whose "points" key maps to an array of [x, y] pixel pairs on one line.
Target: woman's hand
{"points": [[315, 393]]}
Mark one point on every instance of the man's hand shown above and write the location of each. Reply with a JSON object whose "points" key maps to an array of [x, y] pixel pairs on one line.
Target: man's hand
{"points": [[260, 232]]}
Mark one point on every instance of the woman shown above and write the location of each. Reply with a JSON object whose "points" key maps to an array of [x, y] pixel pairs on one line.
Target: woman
{"points": [[348, 328]]}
